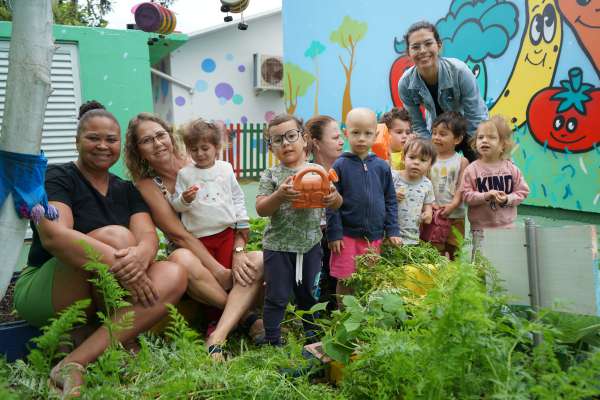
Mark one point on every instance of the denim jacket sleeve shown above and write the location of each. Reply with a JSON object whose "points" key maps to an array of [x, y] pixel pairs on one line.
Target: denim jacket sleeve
{"points": [[474, 109], [419, 125]]}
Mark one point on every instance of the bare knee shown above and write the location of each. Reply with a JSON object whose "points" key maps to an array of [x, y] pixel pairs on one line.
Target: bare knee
{"points": [[115, 236], [256, 258], [194, 267], [170, 278]]}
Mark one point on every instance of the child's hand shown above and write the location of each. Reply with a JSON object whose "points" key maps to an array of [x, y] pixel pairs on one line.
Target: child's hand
{"points": [[190, 194], [336, 246], [501, 198], [395, 240], [400, 193], [491, 195], [426, 217], [446, 209], [331, 200], [286, 190]]}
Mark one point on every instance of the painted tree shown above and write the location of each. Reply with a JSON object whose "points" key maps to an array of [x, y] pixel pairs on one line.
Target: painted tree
{"points": [[296, 82], [349, 33], [316, 48], [27, 91]]}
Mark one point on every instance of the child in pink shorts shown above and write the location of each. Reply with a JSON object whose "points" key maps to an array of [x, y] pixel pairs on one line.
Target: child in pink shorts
{"points": [[369, 211]]}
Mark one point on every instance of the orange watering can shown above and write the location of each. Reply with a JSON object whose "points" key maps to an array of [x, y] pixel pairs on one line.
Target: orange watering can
{"points": [[313, 184]]}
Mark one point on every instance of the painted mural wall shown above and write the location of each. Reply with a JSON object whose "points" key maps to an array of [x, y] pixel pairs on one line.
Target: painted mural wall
{"points": [[536, 61], [219, 65]]}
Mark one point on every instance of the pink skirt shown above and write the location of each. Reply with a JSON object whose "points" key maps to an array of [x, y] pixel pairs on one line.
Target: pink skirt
{"points": [[342, 265]]}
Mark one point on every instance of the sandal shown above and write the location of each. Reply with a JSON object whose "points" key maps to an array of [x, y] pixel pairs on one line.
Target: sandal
{"points": [[215, 351], [248, 326], [62, 381]]}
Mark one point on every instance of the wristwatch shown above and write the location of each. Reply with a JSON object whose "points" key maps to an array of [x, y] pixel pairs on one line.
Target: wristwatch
{"points": [[238, 250]]}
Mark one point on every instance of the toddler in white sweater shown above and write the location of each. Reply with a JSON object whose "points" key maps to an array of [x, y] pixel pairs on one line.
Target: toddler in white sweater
{"points": [[208, 196]]}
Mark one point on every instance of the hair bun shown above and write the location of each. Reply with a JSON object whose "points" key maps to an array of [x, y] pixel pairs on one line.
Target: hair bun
{"points": [[88, 106]]}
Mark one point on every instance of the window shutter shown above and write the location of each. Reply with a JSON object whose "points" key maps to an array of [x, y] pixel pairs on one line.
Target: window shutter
{"points": [[60, 119]]}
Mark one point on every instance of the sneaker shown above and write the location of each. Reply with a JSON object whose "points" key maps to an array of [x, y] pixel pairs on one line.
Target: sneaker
{"points": [[263, 341]]}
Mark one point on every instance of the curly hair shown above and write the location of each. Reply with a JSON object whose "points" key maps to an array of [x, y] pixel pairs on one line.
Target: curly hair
{"points": [[395, 113], [455, 122], [91, 109], [138, 167]]}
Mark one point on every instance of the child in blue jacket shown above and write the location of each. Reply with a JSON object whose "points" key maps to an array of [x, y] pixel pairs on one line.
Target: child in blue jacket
{"points": [[369, 211]]}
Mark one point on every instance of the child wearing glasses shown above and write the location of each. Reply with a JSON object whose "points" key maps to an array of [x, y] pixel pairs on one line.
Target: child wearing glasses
{"points": [[370, 210], [291, 241]]}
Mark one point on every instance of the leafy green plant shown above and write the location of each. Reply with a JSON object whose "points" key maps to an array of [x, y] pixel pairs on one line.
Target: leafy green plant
{"points": [[112, 294], [458, 340], [257, 228], [163, 246], [56, 338]]}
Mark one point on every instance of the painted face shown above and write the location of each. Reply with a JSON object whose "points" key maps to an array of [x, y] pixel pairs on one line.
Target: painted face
{"points": [[288, 144], [542, 41], [488, 143], [415, 164], [203, 153], [99, 145], [443, 139], [331, 144], [154, 143], [480, 72], [399, 133], [584, 18], [423, 49], [361, 133]]}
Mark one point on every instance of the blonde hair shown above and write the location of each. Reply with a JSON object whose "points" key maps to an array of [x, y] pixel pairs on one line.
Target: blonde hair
{"points": [[138, 167], [500, 125]]}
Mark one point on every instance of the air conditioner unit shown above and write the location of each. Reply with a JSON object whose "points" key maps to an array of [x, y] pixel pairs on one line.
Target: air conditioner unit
{"points": [[268, 73]]}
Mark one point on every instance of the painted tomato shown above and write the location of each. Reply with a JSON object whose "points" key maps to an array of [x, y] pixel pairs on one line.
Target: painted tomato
{"points": [[566, 118], [400, 65]]}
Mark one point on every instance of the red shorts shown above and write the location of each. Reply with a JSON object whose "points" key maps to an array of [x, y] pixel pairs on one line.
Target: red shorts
{"points": [[220, 246]]}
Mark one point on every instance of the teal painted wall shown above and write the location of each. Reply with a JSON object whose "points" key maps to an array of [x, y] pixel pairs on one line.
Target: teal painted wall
{"points": [[114, 68], [521, 51]]}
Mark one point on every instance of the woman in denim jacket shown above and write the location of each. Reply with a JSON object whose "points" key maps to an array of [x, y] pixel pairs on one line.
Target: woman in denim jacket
{"points": [[439, 84]]}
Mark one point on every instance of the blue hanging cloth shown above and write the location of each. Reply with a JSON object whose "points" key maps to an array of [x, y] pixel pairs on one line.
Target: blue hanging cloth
{"points": [[23, 176]]}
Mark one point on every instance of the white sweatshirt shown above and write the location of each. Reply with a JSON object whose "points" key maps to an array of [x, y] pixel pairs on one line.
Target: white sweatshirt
{"points": [[219, 202]]}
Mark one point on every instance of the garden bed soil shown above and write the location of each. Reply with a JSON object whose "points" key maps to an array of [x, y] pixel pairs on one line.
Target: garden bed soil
{"points": [[6, 305]]}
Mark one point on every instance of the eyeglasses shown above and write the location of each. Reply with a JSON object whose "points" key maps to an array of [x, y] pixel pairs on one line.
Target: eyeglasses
{"points": [[427, 44], [290, 136], [149, 140]]}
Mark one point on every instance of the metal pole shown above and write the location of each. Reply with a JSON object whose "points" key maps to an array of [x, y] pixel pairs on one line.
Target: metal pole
{"points": [[533, 270], [171, 79]]}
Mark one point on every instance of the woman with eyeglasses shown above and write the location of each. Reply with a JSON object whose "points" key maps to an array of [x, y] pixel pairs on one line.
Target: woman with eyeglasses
{"points": [[154, 159], [111, 217], [438, 84]]}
